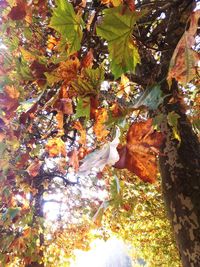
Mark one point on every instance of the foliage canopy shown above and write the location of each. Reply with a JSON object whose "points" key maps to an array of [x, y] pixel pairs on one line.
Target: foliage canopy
{"points": [[81, 117]]}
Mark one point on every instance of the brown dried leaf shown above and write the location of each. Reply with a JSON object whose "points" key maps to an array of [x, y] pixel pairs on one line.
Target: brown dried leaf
{"points": [[184, 62]]}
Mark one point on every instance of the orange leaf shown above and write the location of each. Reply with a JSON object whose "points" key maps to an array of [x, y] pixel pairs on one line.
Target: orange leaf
{"points": [[59, 118], [9, 100], [56, 147], [100, 130], [64, 105], [34, 168], [94, 103], [78, 126], [87, 61], [113, 2], [68, 70], [139, 154]]}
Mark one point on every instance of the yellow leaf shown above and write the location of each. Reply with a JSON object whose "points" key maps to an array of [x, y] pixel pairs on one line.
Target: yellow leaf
{"points": [[113, 2], [56, 147], [27, 55], [100, 130]]}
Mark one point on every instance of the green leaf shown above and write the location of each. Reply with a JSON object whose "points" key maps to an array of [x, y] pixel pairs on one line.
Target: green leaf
{"points": [[196, 124], [157, 120], [151, 98], [89, 82], [83, 108], [23, 70], [117, 29], [51, 78], [172, 119], [99, 214], [95, 77], [11, 213], [2, 148], [68, 24]]}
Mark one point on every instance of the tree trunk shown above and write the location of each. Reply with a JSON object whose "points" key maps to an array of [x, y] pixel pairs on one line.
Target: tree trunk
{"points": [[180, 171]]}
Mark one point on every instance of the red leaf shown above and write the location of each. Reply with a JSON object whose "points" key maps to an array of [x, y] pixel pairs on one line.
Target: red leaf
{"points": [[38, 71], [131, 4], [87, 61], [19, 11]]}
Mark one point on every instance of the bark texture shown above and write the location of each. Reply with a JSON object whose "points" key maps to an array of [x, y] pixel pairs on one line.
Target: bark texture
{"points": [[180, 170]]}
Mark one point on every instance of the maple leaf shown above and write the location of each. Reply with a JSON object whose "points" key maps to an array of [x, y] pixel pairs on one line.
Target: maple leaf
{"points": [[22, 160], [107, 155], [172, 119], [78, 126], [64, 105], [38, 71], [9, 100], [139, 153], [56, 147], [113, 2], [88, 82], [99, 127], [68, 70], [34, 168], [184, 62], [83, 107], [68, 24], [130, 4], [117, 30], [19, 11], [42, 7], [59, 118], [87, 61]]}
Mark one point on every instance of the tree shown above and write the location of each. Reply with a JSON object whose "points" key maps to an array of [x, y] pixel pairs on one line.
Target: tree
{"points": [[104, 84]]}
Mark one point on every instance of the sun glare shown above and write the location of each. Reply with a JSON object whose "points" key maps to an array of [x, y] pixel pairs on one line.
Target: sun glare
{"points": [[112, 253]]}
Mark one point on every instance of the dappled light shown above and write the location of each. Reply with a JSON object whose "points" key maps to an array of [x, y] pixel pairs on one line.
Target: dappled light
{"points": [[99, 133]]}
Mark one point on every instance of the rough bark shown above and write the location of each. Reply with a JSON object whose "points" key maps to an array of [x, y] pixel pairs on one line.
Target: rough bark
{"points": [[180, 162], [180, 171]]}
